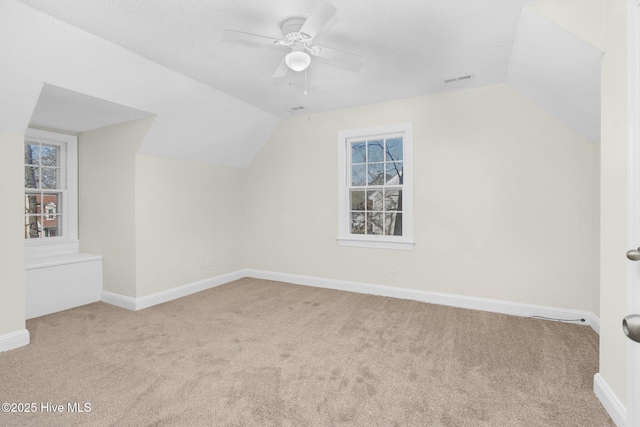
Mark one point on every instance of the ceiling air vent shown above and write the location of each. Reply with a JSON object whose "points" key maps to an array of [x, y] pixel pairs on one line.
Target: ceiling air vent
{"points": [[457, 79], [297, 108]]}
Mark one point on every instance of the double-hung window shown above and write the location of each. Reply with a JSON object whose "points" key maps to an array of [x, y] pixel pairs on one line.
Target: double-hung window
{"points": [[50, 193], [376, 187]]}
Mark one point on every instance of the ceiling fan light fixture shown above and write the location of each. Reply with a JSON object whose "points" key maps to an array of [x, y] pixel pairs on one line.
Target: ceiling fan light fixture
{"points": [[298, 60]]}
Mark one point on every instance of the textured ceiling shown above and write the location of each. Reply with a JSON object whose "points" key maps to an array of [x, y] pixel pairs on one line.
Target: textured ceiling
{"points": [[215, 100], [409, 47], [193, 121]]}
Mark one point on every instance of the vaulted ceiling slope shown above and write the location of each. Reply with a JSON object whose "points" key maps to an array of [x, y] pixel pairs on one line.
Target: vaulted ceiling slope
{"points": [[193, 120], [408, 47], [558, 71], [215, 99], [63, 109]]}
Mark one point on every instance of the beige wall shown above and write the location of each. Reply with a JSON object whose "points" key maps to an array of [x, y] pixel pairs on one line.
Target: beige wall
{"points": [[585, 19], [155, 221], [613, 239], [106, 193], [186, 212], [503, 201], [12, 294]]}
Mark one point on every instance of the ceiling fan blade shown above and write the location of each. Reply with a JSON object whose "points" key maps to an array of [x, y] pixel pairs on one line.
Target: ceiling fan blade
{"points": [[351, 60], [321, 14], [241, 35], [282, 69]]}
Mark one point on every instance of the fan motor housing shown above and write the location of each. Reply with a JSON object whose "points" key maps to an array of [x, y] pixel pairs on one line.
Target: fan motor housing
{"points": [[291, 31]]}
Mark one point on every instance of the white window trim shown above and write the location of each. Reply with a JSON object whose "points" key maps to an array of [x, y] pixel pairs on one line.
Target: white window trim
{"points": [[67, 243], [404, 242]]}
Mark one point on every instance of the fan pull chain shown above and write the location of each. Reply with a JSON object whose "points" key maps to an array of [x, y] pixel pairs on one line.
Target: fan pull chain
{"points": [[305, 81], [289, 67]]}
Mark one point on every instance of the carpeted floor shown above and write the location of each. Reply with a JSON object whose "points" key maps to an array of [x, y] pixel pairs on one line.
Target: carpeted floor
{"points": [[261, 353]]}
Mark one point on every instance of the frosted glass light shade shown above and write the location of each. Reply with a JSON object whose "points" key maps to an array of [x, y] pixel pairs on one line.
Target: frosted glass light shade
{"points": [[297, 60]]}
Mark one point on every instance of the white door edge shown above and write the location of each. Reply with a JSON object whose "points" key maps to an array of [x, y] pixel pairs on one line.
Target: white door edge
{"points": [[633, 274]]}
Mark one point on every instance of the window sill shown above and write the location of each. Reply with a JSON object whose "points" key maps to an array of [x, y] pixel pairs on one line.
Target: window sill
{"points": [[375, 244], [35, 250], [53, 261]]}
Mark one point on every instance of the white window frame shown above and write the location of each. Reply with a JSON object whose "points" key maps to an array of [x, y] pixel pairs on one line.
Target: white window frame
{"points": [[68, 242], [345, 238]]}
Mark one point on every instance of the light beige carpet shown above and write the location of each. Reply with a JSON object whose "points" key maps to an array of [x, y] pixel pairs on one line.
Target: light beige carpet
{"points": [[261, 353]]}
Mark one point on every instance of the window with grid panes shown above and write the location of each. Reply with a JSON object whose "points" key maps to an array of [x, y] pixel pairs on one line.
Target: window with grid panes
{"points": [[44, 178], [50, 195], [376, 200]]}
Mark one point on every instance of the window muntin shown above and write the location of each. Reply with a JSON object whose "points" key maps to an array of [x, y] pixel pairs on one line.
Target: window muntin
{"points": [[375, 204], [50, 193], [45, 188], [376, 185]]}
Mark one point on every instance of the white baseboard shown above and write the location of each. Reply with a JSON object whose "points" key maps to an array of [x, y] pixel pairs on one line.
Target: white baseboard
{"points": [[594, 322], [14, 340], [165, 296], [616, 410], [473, 303], [118, 300]]}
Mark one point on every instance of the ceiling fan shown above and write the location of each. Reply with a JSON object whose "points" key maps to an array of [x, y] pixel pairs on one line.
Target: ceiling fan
{"points": [[298, 35]]}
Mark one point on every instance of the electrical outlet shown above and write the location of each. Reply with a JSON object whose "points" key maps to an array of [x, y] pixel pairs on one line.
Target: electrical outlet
{"points": [[394, 268], [209, 262]]}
